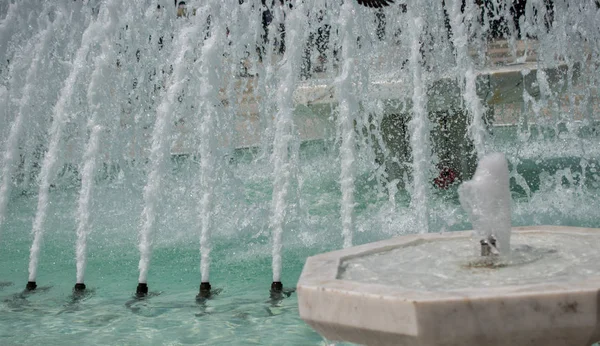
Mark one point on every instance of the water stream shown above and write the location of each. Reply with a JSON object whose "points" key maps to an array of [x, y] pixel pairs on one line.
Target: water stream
{"points": [[263, 133]]}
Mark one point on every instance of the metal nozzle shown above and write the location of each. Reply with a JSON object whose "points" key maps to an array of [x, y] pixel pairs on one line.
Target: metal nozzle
{"points": [[488, 246]]}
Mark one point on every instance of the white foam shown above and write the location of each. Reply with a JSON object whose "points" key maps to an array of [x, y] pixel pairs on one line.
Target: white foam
{"points": [[486, 199]]}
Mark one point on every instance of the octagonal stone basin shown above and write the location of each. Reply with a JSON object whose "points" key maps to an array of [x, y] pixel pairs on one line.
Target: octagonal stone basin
{"points": [[546, 293]]}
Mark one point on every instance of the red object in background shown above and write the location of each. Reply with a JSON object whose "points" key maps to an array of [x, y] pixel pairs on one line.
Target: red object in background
{"points": [[446, 178]]}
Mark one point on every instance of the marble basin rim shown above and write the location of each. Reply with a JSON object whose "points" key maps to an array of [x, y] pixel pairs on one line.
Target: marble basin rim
{"points": [[553, 313]]}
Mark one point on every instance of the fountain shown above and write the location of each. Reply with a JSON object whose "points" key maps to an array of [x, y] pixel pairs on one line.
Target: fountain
{"points": [[543, 292], [432, 289], [206, 149], [486, 198]]}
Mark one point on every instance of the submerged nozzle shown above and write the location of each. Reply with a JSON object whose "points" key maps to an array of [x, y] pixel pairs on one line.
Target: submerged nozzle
{"points": [[276, 291], [204, 291], [276, 286], [31, 286], [141, 290], [79, 287]]}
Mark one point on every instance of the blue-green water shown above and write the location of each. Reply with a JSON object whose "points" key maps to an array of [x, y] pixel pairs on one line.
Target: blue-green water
{"points": [[242, 314]]}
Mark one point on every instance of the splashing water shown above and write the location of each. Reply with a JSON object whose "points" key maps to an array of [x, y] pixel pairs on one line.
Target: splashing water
{"points": [[419, 139], [486, 199], [92, 34], [19, 123], [209, 107], [256, 127], [281, 158], [347, 117], [159, 151], [95, 100]]}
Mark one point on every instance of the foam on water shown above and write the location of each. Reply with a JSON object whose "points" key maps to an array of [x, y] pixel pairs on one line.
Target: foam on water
{"points": [[452, 264], [486, 199]]}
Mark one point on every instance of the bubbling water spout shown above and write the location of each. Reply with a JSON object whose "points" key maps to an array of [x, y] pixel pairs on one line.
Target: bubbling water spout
{"points": [[486, 198]]}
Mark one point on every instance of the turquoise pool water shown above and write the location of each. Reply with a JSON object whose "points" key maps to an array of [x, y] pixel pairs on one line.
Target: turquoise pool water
{"points": [[242, 314]]}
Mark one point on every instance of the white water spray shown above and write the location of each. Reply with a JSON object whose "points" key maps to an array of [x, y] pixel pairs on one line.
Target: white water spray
{"points": [[267, 84], [466, 68], [348, 108], [129, 132], [486, 199], [96, 96], [6, 28], [16, 25], [19, 123], [210, 80], [284, 123], [160, 151], [420, 125], [60, 116]]}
